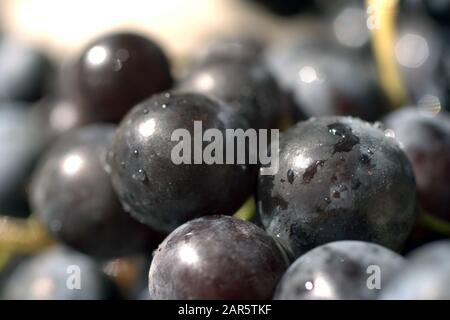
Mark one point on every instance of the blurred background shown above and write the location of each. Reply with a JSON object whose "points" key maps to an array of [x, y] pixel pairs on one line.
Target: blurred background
{"points": [[60, 27]]}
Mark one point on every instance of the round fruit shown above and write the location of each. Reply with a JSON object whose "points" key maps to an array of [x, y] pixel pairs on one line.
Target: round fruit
{"points": [[325, 80], [73, 196], [155, 183], [249, 89], [425, 137], [117, 71], [339, 178], [340, 270], [216, 257]]}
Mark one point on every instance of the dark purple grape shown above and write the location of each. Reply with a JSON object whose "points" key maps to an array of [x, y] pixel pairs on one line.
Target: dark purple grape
{"points": [[339, 178], [248, 88], [342, 270], [325, 80], [216, 257], [117, 71], [21, 142], [425, 277], [425, 138], [25, 72], [73, 197], [58, 274], [159, 192]]}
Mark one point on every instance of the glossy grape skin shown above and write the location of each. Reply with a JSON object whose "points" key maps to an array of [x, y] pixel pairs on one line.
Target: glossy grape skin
{"points": [[325, 80], [425, 277], [249, 89], [46, 277], [339, 271], [25, 72], [425, 138], [216, 257], [154, 189], [73, 197], [117, 71], [339, 178], [21, 142]]}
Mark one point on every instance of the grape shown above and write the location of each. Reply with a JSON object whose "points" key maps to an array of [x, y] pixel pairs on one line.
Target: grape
{"points": [[117, 71], [159, 192], [339, 178], [73, 196], [249, 89], [425, 138], [25, 72], [425, 277], [216, 257], [58, 274], [340, 270], [325, 80]]}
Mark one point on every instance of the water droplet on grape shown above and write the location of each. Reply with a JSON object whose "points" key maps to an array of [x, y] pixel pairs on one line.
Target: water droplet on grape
{"points": [[389, 133], [309, 285], [290, 176], [140, 175]]}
